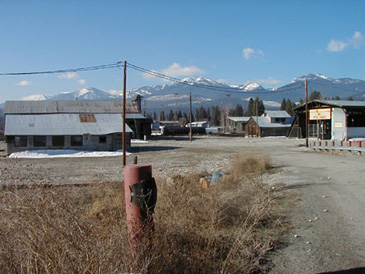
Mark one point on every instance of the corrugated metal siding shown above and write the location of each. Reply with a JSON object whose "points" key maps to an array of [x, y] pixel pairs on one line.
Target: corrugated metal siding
{"points": [[42, 107], [62, 124]]}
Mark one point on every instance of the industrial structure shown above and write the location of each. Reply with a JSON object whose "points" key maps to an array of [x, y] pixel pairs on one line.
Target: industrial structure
{"points": [[80, 125], [332, 119]]}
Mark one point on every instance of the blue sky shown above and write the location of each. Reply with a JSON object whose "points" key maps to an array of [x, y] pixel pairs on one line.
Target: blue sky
{"points": [[270, 42]]}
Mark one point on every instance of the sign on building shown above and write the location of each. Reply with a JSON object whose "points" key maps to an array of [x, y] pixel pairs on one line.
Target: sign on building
{"points": [[320, 114]]}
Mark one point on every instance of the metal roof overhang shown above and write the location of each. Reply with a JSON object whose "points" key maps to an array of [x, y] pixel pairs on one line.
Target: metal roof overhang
{"points": [[62, 124]]}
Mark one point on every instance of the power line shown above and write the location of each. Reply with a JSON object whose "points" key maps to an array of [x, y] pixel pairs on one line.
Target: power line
{"points": [[108, 66], [120, 64], [211, 87]]}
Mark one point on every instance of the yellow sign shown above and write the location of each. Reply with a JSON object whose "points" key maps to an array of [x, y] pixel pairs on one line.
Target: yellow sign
{"points": [[320, 114]]}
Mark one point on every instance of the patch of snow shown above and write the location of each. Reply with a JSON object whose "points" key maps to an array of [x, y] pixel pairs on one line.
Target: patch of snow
{"points": [[65, 153], [357, 139], [272, 104], [138, 141], [35, 97]]}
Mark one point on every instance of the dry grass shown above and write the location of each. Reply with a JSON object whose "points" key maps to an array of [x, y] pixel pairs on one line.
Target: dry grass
{"points": [[227, 228]]}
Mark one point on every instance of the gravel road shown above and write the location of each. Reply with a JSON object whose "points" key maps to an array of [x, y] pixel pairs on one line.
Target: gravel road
{"points": [[327, 217]]}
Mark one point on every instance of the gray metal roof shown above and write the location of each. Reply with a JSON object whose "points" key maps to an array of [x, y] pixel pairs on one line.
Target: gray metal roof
{"points": [[240, 119], [76, 106], [264, 122], [277, 114], [134, 116], [63, 124], [343, 103]]}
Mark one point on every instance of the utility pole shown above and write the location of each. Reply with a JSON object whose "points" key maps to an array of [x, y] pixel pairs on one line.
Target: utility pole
{"points": [[257, 119], [175, 114], [124, 110], [306, 113], [190, 117]]}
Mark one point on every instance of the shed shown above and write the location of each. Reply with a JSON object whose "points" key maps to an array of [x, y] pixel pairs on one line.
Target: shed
{"points": [[238, 124], [332, 119], [84, 125], [263, 127]]}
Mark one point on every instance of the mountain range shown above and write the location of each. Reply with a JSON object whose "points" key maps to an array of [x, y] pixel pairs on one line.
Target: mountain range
{"points": [[208, 92]]}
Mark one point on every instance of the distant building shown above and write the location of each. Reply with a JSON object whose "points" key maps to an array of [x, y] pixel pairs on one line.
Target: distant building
{"points": [[203, 124], [237, 124], [332, 119], [83, 125], [271, 123]]}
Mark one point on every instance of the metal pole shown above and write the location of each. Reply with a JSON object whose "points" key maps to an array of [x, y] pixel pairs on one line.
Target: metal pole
{"points": [[306, 113], [190, 116], [124, 110]]}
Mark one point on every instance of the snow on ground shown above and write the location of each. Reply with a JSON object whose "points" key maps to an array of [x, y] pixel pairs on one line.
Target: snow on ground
{"points": [[64, 153], [357, 139], [138, 141]]}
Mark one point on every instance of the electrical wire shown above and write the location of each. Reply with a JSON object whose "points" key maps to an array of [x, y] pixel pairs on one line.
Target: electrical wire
{"points": [[222, 89], [109, 66], [154, 73]]}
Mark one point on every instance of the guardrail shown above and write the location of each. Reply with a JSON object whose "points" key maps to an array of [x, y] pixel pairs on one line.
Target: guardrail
{"points": [[350, 146]]}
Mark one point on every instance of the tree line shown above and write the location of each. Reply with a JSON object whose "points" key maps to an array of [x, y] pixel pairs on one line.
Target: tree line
{"points": [[215, 115]]}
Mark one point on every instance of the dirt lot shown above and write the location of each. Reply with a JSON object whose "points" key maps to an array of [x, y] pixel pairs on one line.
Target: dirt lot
{"points": [[327, 213]]}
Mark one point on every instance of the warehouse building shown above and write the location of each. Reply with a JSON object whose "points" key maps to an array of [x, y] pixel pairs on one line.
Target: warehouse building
{"points": [[80, 125]]}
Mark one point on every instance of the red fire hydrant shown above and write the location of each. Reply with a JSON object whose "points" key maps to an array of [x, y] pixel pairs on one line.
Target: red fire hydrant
{"points": [[140, 201]]}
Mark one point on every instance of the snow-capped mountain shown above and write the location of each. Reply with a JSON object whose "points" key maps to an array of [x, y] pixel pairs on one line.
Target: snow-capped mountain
{"points": [[84, 94], [35, 97], [208, 92]]}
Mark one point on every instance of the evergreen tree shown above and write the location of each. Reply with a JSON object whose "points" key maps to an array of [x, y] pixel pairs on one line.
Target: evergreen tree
{"points": [[179, 115], [289, 107], [350, 98], [208, 114], [162, 116], [260, 107], [315, 95], [238, 110], [216, 116], [283, 104], [170, 117], [202, 113], [250, 106], [154, 116]]}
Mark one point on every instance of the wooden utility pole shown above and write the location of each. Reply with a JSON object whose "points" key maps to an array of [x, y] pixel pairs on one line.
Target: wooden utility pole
{"points": [[190, 117], [306, 113], [257, 119], [124, 110]]}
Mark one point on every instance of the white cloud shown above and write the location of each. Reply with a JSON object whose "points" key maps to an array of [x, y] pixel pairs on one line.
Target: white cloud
{"points": [[336, 45], [249, 53], [81, 81], [356, 41], [176, 70], [269, 81], [23, 83], [68, 75]]}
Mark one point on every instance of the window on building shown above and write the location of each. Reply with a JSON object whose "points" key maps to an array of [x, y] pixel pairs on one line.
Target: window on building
{"points": [[58, 141], [20, 141], [102, 139], [76, 140], [40, 141]]}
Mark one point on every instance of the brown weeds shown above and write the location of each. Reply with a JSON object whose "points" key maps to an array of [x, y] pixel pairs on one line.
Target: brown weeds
{"points": [[227, 228]]}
